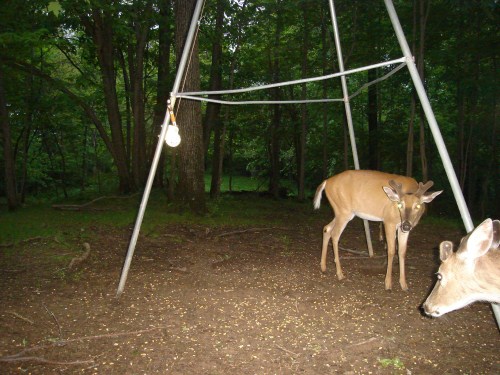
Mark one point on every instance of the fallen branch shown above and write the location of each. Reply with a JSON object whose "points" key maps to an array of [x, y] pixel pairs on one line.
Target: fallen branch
{"points": [[55, 319], [371, 339], [78, 207], [32, 239], [13, 271], [21, 317], [364, 257], [249, 230], [43, 360], [358, 252], [77, 260], [10, 358], [179, 269], [286, 350]]}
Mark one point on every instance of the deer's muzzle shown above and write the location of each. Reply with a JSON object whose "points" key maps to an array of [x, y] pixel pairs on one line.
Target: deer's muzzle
{"points": [[406, 226]]}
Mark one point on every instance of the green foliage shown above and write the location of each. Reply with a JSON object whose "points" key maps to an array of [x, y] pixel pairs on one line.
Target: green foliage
{"points": [[60, 154], [396, 363], [54, 7], [41, 220]]}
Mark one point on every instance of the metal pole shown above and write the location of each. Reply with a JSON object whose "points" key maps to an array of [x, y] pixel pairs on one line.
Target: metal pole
{"points": [[159, 148], [431, 119], [347, 106]]}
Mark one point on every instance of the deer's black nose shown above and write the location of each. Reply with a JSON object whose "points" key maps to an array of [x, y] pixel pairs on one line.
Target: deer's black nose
{"points": [[406, 226]]}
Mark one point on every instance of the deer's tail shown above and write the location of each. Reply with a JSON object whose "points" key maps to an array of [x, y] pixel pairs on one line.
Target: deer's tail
{"points": [[317, 196]]}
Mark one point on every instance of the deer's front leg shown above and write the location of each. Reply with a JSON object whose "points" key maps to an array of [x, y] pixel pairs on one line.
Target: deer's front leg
{"points": [[327, 230], [402, 243], [390, 237]]}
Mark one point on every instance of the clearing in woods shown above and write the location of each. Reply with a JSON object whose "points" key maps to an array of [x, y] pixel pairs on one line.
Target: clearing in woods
{"points": [[210, 299]]}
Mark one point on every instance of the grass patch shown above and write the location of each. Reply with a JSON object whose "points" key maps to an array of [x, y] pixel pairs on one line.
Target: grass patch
{"points": [[41, 220], [396, 363], [232, 210], [444, 222]]}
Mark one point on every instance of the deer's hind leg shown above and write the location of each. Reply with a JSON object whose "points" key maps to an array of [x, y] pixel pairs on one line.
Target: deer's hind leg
{"points": [[333, 231], [338, 228], [327, 234]]}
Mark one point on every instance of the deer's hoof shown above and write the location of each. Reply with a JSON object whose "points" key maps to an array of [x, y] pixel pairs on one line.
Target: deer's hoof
{"points": [[340, 276], [323, 268]]}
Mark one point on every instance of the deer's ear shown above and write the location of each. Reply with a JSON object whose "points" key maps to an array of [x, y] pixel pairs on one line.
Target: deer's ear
{"points": [[479, 241], [393, 196], [445, 250], [427, 198], [496, 234]]}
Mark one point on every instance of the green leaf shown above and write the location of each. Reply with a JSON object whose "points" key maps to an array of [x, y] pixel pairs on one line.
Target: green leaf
{"points": [[55, 7]]}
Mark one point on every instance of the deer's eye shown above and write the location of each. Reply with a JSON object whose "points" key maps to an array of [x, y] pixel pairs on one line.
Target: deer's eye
{"points": [[418, 206], [439, 276], [400, 205]]}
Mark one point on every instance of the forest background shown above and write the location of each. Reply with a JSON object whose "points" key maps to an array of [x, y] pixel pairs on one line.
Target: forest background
{"points": [[84, 86]]}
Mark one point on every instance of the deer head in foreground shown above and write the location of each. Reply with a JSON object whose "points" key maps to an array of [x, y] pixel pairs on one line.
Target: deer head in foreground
{"points": [[470, 274], [397, 201]]}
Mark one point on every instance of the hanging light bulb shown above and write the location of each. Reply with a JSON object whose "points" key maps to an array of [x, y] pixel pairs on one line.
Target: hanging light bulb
{"points": [[172, 137]]}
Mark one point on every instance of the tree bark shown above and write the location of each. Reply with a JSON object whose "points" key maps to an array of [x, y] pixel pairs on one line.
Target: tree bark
{"points": [[324, 51], [128, 108], [423, 16], [303, 108], [191, 188], [372, 122], [461, 103], [163, 83], [212, 116], [136, 71], [411, 124], [99, 26], [8, 156], [274, 127], [227, 112]]}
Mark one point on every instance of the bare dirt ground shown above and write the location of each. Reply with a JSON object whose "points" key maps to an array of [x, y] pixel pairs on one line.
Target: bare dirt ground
{"points": [[247, 300]]}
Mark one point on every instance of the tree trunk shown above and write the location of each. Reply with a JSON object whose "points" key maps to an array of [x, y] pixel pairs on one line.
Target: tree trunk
{"points": [[423, 16], [274, 127], [99, 27], [372, 122], [163, 83], [84, 156], [25, 138], [136, 71], [219, 136], [325, 106], [8, 156], [461, 102], [212, 116], [191, 188], [411, 137], [345, 126], [303, 108], [128, 108], [226, 122], [411, 124]]}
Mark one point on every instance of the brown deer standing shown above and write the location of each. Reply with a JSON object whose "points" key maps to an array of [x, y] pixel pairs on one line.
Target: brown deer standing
{"points": [[397, 201], [471, 274]]}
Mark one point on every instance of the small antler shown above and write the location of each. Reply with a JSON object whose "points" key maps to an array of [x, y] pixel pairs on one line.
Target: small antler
{"points": [[398, 188], [422, 188]]}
